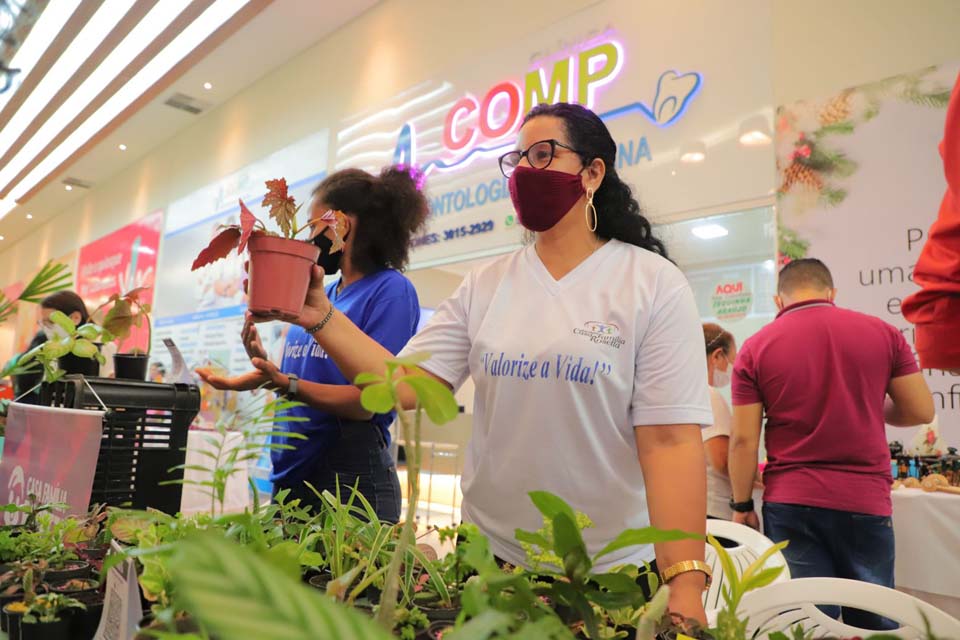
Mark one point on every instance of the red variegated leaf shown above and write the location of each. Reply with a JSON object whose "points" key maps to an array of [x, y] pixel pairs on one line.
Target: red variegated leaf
{"points": [[283, 207], [247, 222], [220, 247]]}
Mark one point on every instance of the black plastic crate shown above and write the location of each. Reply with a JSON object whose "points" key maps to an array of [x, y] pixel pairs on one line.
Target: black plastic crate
{"points": [[144, 434]]}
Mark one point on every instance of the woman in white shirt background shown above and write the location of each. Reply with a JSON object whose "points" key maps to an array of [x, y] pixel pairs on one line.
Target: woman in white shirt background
{"points": [[721, 354], [584, 347]]}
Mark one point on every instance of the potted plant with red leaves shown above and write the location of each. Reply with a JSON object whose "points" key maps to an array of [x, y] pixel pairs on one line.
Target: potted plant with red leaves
{"points": [[280, 263], [125, 312]]}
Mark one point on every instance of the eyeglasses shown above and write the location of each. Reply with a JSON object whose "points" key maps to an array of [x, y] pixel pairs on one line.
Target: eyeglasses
{"points": [[539, 155]]}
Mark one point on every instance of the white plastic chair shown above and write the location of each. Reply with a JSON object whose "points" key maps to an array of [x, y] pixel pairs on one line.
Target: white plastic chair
{"points": [[783, 606], [751, 544]]}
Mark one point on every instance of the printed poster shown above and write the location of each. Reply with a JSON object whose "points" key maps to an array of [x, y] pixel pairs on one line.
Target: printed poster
{"points": [[120, 262], [860, 183]]}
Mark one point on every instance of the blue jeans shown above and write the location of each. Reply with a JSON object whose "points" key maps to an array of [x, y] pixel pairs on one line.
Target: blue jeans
{"points": [[361, 459], [825, 543]]}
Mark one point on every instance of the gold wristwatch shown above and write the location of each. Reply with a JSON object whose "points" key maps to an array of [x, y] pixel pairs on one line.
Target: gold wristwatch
{"points": [[687, 566]]}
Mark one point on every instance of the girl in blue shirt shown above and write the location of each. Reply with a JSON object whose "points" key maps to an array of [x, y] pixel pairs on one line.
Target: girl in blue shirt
{"points": [[345, 443]]}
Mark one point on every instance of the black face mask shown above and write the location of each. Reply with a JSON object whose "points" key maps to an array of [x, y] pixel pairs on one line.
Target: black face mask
{"points": [[329, 262]]}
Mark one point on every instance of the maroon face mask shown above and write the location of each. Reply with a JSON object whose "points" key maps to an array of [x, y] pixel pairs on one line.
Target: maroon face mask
{"points": [[542, 197]]}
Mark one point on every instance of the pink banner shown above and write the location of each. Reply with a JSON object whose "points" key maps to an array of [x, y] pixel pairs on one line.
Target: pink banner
{"points": [[117, 263], [50, 453]]}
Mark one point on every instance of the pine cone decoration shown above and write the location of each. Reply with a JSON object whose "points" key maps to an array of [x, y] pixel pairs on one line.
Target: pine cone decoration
{"points": [[836, 110], [799, 174]]}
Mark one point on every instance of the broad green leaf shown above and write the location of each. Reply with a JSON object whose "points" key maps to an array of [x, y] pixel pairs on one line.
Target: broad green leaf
{"points": [[435, 398], [618, 600], [646, 535], [88, 332], [757, 564], [531, 538], [119, 319], [63, 321], [367, 378], [285, 557], [762, 578], [488, 624], [550, 504], [616, 581], [377, 398], [655, 611], [53, 349], [85, 349], [569, 545], [238, 595]]}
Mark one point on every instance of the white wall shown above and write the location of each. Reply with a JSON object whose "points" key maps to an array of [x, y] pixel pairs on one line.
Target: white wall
{"points": [[817, 46], [821, 47]]}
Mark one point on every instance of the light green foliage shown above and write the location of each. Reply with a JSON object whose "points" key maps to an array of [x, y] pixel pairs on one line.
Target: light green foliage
{"points": [[237, 595], [381, 394], [258, 426]]}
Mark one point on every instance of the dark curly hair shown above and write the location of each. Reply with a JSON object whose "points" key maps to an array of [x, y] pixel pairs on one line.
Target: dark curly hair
{"points": [[618, 212], [390, 211]]}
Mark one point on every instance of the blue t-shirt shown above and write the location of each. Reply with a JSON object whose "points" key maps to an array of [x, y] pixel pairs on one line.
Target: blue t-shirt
{"points": [[384, 306]]}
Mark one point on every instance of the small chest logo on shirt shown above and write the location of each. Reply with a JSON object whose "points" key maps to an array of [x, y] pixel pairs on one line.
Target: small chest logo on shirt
{"points": [[605, 333]]}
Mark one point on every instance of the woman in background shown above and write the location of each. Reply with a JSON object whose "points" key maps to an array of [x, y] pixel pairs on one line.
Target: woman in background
{"points": [[721, 353]]}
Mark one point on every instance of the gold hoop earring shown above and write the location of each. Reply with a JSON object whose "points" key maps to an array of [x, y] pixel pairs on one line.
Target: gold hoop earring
{"points": [[590, 211]]}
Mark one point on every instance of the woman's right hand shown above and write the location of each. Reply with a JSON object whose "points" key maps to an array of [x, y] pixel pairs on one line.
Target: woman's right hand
{"points": [[244, 382], [251, 341]]}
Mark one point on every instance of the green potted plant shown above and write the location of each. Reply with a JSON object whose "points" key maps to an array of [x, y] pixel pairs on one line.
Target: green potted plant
{"points": [[127, 311], [274, 258], [81, 342], [83, 624], [18, 592], [48, 617]]}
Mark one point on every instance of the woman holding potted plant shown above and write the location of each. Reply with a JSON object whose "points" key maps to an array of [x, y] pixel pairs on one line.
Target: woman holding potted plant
{"points": [[586, 351], [377, 217]]}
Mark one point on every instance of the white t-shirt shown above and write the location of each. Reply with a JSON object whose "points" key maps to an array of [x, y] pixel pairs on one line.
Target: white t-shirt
{"points": [[564, 370], [718, 485]]}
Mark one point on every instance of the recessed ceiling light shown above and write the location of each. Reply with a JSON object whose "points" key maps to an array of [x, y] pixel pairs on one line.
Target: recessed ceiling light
{"points": [[29, 216], [709, 231], [674, 172], [755, 132], [122, 147], [68, 187], [693, 152], [1, 238], [207, 86]]}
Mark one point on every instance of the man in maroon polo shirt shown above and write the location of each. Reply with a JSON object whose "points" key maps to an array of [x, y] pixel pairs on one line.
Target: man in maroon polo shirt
{"points": [[827, 379]]}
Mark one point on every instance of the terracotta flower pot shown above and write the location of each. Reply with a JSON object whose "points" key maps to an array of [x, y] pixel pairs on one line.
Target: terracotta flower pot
{"points": [[279, 274]]}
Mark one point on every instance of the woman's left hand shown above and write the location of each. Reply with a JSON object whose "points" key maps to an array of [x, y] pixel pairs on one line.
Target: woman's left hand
{"points": [[271, 372]]}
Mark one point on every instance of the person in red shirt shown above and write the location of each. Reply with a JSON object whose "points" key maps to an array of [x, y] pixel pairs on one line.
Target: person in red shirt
{"points": [[935, 309], [827, 379]]}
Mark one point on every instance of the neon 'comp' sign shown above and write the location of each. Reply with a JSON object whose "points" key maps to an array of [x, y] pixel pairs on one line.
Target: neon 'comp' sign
{"points": [[572, 79], [473, 122]]}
